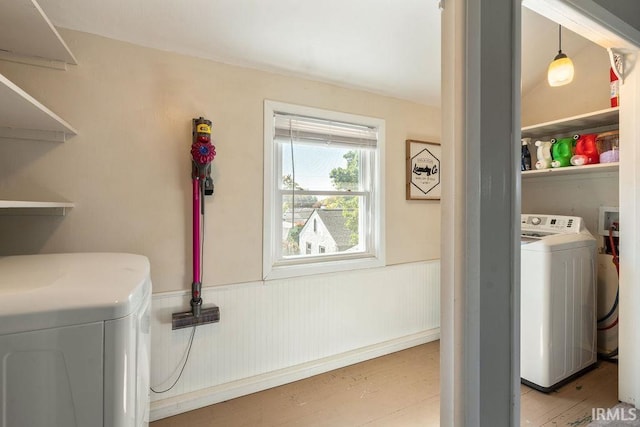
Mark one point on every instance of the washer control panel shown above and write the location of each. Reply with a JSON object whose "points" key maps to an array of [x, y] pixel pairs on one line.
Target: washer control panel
{"points": [[549, 224]]}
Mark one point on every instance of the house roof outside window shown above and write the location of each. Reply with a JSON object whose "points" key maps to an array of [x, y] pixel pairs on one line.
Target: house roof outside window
{"points": [[335, 223]]}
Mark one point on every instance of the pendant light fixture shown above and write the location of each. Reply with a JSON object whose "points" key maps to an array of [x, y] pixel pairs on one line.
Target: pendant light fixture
{"points": [[561, 69]]}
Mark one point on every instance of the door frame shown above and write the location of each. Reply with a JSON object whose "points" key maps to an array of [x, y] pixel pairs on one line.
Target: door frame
{"points": [[481, 249]]}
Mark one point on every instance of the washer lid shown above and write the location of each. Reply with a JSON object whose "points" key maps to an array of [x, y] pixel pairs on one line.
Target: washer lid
{"points": [[558, 242], [47, 291]]}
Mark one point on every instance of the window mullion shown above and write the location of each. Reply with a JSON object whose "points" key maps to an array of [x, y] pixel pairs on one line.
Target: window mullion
{"points": [[284, 191]]}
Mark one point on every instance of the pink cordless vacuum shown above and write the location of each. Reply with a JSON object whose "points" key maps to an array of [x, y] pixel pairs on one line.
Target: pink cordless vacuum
{"points": [[202, 154]]}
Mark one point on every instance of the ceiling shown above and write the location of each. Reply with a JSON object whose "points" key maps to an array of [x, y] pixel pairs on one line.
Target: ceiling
{"points": [[383, 46]]}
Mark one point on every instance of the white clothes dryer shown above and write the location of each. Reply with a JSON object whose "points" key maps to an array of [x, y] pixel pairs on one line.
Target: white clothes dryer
{"points": [[558, 300], [74, 340]]}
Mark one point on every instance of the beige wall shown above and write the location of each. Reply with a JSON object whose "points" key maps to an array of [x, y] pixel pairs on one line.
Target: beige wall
{"points": [[128, 170], [588, 92]]}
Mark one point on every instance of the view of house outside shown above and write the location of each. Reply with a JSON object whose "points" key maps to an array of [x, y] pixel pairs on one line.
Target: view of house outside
{"points": [[326, 231], [320, 224]]}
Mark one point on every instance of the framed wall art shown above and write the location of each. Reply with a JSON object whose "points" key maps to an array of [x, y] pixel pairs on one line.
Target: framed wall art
{"points": [[423, 170]]}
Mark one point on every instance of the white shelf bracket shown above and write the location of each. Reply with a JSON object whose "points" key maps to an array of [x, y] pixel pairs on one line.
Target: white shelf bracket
{"points": [[617, 63]]}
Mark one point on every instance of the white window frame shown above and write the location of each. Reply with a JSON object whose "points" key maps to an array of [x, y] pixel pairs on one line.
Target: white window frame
{"points": [[375, 255]]}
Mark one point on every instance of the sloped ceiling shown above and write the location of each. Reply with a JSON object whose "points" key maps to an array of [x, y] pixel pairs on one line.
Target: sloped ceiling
{"points": [[390, 48]]}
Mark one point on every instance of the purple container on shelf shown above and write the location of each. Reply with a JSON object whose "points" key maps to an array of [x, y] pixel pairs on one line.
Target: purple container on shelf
{"points": [[608, 146]]}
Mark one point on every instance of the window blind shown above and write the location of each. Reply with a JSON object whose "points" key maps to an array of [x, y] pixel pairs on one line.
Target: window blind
{"points": [[308, 130]]}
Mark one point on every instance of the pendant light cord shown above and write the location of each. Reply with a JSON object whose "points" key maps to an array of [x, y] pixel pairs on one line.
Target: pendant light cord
{"points": [[559, 39]]}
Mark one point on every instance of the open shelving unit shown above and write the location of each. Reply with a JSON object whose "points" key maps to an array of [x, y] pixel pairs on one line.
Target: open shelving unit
{"points": [[572, 170], [596, 122], [27, 36], [23, 117]]}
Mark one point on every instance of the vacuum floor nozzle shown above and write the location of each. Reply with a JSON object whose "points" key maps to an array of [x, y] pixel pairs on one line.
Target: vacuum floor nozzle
{"points": [[187, 319]]}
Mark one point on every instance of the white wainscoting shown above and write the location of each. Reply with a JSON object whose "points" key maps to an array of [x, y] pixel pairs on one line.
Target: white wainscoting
{"points": [[271, 333]]}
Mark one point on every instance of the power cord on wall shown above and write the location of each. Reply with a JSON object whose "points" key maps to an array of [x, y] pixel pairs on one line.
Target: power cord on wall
{"points": [[193, 333], [193, 330]]}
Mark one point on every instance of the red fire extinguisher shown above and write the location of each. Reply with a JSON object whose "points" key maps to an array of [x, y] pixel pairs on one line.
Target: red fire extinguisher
{"points": [[614, 84]]}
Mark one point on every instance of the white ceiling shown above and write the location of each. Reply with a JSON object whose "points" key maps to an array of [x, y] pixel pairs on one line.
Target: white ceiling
{"points": [[383, 46]]}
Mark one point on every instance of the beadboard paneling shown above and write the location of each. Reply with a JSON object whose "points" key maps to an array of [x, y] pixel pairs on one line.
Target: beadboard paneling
{"points": [[279, 331]]}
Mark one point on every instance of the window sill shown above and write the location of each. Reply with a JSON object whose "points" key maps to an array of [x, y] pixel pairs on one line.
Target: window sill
{"points": [[296, 270]]}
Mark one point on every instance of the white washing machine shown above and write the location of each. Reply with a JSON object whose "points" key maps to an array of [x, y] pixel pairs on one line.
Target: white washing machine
{"points": [[558, 300], [74, 340]]}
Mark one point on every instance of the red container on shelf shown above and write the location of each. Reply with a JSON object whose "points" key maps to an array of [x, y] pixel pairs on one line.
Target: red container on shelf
{"points": [[586, 152]]}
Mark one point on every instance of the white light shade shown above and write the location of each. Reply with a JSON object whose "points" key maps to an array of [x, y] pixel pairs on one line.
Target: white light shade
{"points": [[560, 71]]}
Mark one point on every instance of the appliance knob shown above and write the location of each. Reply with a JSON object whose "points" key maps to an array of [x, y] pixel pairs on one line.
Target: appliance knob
{"points": [[535, 220]]}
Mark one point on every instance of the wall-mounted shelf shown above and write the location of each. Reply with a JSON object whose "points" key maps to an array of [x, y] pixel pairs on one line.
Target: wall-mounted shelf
{"points": [[25, 207], [571, 170], [22, 117], [598, 121], [592, 122], [27, 35]]}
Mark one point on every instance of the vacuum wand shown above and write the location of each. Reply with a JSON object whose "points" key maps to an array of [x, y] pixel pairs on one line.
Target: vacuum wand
{"points": [[196, 284], [202, 154]]}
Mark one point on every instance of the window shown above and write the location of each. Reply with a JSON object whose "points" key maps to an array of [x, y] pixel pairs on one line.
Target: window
{"points": [[323, 180]]}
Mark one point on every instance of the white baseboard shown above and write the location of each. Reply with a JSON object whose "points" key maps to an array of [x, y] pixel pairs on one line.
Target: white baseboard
{"points": [[209, 396]]}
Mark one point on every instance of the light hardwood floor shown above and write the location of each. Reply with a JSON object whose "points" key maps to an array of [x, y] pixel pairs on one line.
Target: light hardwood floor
{"points": [[398, 390]]}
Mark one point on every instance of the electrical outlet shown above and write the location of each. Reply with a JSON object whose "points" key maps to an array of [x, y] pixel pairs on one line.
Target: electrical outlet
{"points": [[608, 215]]}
